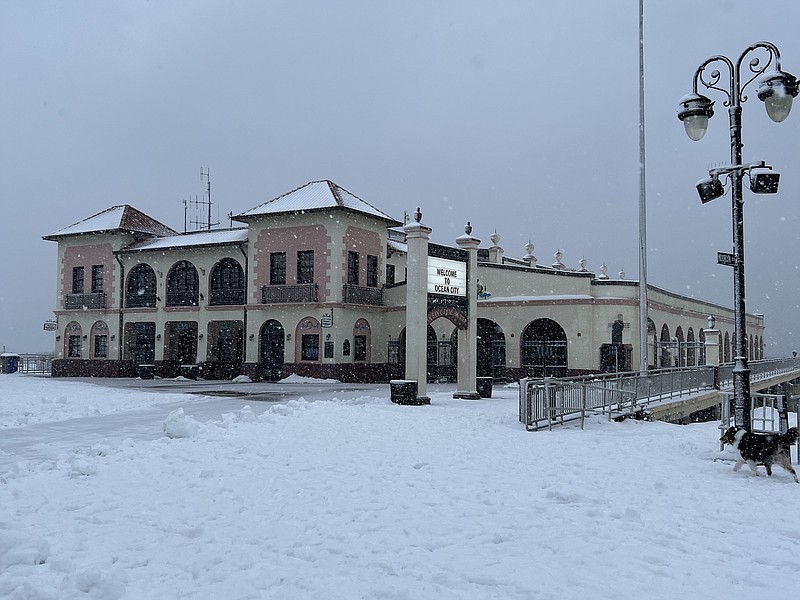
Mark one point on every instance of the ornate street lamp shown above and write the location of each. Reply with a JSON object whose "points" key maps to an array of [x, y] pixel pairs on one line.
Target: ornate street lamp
{"points": [[776, 89]]}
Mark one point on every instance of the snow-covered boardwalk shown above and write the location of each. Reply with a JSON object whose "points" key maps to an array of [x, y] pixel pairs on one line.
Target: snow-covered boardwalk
{"points": [[360, 498]]}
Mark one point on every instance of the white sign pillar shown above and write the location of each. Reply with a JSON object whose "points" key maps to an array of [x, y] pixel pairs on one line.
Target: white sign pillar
{"points": [[712, 336], [712, 347], [467, 338], [417, 236]]}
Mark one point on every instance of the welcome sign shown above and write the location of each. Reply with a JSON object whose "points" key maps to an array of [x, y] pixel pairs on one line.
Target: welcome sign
{"points": [[448, 277]]}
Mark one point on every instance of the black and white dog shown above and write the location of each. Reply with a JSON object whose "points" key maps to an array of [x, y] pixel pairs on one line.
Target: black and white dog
{"points": [[762, 448]]}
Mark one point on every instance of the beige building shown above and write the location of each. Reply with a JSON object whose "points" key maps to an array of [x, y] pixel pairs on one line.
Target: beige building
{"points": [[313, 284]]}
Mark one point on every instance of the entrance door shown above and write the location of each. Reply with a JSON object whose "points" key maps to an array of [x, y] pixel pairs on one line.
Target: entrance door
{"points": [[185, 342], [144, 350], [228, 350], [272, 349], [491, 350]]}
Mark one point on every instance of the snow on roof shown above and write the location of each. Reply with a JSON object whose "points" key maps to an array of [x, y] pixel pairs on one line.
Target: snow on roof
{"points": [[550, 298], [315, 195], [398, 246], [214, 237], [123, 217]]}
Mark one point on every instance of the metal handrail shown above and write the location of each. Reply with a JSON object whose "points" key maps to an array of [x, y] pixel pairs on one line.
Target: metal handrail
{"points": [[542, 399]]}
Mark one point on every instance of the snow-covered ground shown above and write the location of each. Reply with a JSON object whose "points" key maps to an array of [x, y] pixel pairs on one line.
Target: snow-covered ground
{"points": [[359, 498]]}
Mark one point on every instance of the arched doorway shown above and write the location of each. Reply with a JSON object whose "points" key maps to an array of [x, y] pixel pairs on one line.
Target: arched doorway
{"points": [[491, 359], [665, 344], [544, 349], [397, 356], [652, 335], [701, 342], [680, 348], [691, 348], [444, 323], [271, 350]]}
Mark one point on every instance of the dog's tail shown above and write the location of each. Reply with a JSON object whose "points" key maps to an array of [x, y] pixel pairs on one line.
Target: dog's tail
{"points": [[790, 437]]}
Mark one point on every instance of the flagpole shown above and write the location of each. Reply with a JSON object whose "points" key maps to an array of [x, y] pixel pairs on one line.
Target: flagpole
{"points": [[643, 317]]}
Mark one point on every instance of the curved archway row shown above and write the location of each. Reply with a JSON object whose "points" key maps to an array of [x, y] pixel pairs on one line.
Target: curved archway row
{"points": [[689, 350], [226, 285], [542, 345]]}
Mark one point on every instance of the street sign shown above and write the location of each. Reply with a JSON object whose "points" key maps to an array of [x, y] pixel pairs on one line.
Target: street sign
{"points": [[726, 258], [326, 321], [49, 326]]}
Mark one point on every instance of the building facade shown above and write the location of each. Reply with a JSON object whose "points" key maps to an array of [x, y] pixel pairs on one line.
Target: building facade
{"points": [[313, 284]]}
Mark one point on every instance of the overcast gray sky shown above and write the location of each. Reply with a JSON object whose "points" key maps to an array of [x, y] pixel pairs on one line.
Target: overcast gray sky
{"points": [[518, 116]]}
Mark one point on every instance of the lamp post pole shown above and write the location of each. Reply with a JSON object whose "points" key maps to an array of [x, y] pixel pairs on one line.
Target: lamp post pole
{"points": [[741, 370], [777, 90]]}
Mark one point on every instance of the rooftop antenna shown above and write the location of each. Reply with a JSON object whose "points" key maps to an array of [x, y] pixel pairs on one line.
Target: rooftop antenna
{"points": [[208, 178], [199, 207]]}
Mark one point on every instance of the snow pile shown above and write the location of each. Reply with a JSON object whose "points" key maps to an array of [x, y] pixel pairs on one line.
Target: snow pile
{"points": [[28, 400], [178, 425], [293, 378], [361, 498]]}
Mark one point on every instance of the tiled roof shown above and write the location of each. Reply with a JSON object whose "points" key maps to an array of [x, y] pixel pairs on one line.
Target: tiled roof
{"points": [[117, 218], [316, 195]]}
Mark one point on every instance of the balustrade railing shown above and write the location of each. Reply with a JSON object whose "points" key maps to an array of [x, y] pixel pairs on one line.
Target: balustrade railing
{"points": [[85, 301], [308, 292], [356, 294]]}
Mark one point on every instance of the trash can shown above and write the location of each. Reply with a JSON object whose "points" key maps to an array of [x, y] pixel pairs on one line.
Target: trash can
{"points": [[403, 391], [9, 362], [484, 386], [146, 371]]}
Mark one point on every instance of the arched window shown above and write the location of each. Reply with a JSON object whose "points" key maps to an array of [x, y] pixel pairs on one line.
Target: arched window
{"points": [[183, 285], [544, 349], [72, 340], [227, 283], [141, 288], [99, 340]]}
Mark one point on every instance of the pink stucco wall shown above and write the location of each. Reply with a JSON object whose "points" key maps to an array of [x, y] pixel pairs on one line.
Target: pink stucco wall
{"points": [[291, 240], [86, 256], [365, 242]]}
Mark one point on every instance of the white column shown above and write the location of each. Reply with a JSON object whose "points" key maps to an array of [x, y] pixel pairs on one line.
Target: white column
{"points": [[712, 346], [417, 236], [467, 340]]}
